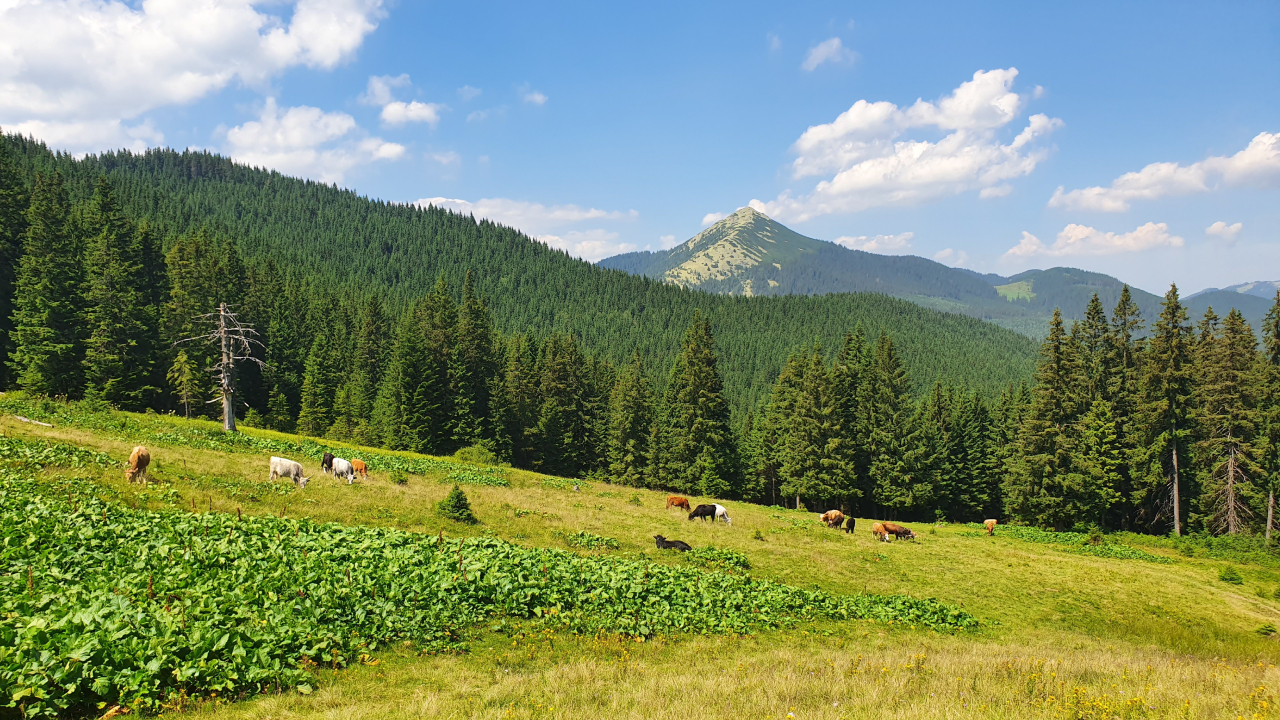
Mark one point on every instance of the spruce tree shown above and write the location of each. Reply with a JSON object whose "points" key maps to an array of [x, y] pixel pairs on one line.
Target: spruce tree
{"points": [[1269, 407], [1123, 392], [698, 451], [47, 341], [889, 416], [630, 424], [848, 387], [1165, 420], [813, 459], [429, 396], [183, 378], [520, 399], [191, 264], [367, 368], [319, 386], [13, 223], [1228, 418], [120, 352], [772, 430], [474, 369]]}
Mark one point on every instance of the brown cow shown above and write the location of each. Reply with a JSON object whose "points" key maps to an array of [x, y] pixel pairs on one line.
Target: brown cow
{"points": [[899, 531], [877, 529], [139, 459], [360, 469], [677, 501], [991, 527], [833, 518]]}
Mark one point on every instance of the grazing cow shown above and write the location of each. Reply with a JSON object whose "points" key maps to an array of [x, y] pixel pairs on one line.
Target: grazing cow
{"points": [[878, 530], [991, 527], [677, 501], [326, 463], [665, 544], [139, 459], [282, 468], [342, 469], [899, 531], [704, 512], [848, 525], [833, 518], [361, 469], [722, 514]]}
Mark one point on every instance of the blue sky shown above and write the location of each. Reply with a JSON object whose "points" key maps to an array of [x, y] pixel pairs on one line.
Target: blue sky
{"points": [[603, 129]]}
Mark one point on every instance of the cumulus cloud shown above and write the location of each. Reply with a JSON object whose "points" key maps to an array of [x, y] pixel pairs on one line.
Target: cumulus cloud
{"points": [[590, 245], [666, 242], [378, 90], [952, 257], [995, 191], [396, 112], [1224, 232], [531, 96], [1257, 164], [867, 162], [81, 72], [306, 142], [712, 218], [828, 51], [883, 244], [533, 218], [1081, 240]]}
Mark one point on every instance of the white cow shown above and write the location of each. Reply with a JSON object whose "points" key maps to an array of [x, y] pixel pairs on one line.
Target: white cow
{"points": [[342, 468], [283, 468], [722, 514]]}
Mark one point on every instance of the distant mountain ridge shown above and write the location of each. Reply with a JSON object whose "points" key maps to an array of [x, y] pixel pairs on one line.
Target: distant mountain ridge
{"points": [[1259, 288], [748, 253]]}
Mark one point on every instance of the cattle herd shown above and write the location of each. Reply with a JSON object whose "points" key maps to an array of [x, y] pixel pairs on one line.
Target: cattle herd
{"points": [[338, 467]]}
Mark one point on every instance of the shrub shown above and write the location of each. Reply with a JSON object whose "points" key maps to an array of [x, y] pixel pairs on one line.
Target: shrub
{"points": [[1266, 629], [1228, 574], [476, 455], [589, 541], [635, 500], [757, 536], [472, 477], [399, 478], [456, 507], [718, 558]]}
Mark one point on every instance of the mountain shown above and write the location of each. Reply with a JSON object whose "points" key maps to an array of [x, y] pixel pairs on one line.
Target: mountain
{"points": [[747, 253], [357, 246], [1266, 289]]}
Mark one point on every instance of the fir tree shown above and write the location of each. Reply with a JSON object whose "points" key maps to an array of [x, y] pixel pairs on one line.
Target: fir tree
{"points": [[697, 452], [367, 368], [1269, 376], [1166, 387], [428, 400], [321, 378], [123, 337], [183, 377], [772, 430], [812, 454], [193, 291], [474, 368], [13, 223], [456, 507], [47, 318], [520, 399], [1227, 415], [1100, 462], [630, 424], [848, 388], [888, 416]]}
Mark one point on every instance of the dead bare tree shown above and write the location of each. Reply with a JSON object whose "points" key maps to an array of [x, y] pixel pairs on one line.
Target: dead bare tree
{"points": [[235, 341]]}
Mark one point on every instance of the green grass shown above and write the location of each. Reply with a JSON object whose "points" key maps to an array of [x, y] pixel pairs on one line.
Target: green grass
{"points": [[1016, 291], [1062, 631]]}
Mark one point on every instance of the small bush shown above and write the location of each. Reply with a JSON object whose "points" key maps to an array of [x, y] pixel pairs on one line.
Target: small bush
{"points": [[635, 500], [1229, 574], [470, 477], [1266, 629], [476, 455], [718, 559], [590, 541], [758, 536], [456, 507], [399, 478], [1276, 594]]}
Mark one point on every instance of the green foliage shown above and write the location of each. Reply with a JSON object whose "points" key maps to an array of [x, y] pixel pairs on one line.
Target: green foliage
{"points": [[718, 558], [475, 477], [37, 454], [590, 541], [399, 478], [1228, 574], [695, 439], [1084, 543], [456, 507], [476, 455]]}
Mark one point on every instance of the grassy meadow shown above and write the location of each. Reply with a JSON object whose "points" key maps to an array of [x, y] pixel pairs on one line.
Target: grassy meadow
{"points": [[1145, 630]]}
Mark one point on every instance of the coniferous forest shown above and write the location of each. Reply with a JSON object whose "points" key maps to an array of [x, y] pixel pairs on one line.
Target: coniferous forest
{"points": [[475, 336]]}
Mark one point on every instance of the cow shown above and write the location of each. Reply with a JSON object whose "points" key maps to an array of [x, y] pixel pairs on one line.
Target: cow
{"points": [[722, 514], [878, 530], [283, 468], [139, 459], [899, 531], [990, 525], [342, 469], [704, 512], [677, 501], [848, 525], [665, 544], [361, 469], [326, 463], [833, 518]]}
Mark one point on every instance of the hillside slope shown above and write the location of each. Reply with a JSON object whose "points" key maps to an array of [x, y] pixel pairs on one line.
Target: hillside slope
{"points": [[361, 246]]}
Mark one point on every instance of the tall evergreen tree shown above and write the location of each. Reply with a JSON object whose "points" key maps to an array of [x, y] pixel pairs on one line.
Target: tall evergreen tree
{"points": [[813, 459], [1166, 407], [191, 263], [697, 453], [630, 425], [848, 389], [367, 368], [120, 352], [474, 369], [772, 429], [1269, 375], [520, 399], [13, 224], [1123, 392], [888, 415], [47, 341], [429, 408]]}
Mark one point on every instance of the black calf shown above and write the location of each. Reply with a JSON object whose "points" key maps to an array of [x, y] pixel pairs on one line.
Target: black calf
{"points": [[704, 512], [665, 544]]}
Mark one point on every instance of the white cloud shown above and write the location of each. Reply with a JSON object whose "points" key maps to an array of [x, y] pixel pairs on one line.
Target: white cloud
{"points": [[468, 93], [883, 244], [712, 218], [775, 42], [666, 242], [994, 191], [532, 96], [378, 91], [399, 113], [590, 245], [1257, 164], [1224, 232], [306, 142], [952, 257], [78, 71], [866, 162], [1079, 240], [534, 219], [827, 51], [446, 158]]}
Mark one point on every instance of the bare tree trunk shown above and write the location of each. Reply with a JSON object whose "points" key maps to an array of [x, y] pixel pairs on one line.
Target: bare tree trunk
{"points": [[228, 372], [1177, 503], [1233, 518], [797, 502]]}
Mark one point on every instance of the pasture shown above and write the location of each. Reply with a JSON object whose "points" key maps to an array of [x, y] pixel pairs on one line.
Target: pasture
{"points": [[1132, 627]]}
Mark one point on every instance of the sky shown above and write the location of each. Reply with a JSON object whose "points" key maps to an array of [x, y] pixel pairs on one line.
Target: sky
{"points": [[1137, 139]]}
